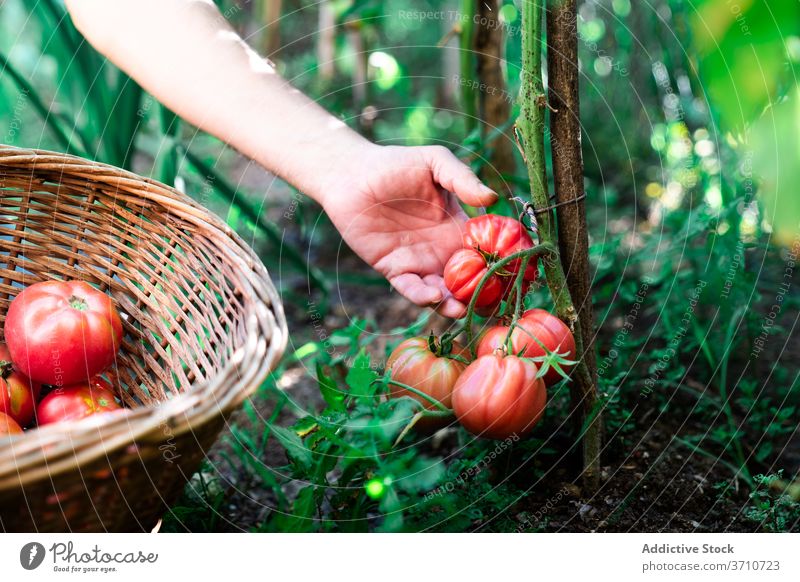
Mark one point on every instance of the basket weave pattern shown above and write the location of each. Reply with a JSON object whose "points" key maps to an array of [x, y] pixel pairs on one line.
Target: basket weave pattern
{"points": [[203, 327]]}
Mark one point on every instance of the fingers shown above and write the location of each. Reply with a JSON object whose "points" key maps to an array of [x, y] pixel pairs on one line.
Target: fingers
{"points": [[413, 288], [449, 306], [429, 292], [455, 176]]}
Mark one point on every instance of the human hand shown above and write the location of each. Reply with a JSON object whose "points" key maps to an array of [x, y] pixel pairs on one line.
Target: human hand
{"points": [[394, 206]]}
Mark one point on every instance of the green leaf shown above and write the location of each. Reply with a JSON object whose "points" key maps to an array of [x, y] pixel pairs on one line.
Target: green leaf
{"points": [[391, 507], [167, 155], [304, 507], [295, 449], [361, 376], [330, 390], [307, 349], [776, 158], [742, 54], [389, 427], [423, 475], [61, 132]]}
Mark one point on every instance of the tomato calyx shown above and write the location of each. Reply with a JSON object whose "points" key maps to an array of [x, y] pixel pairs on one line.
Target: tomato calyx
{"points": [[491, 259], [443, 348], [6, 368], [552, 361], [488, 256], [502, 350], [78, 303]]}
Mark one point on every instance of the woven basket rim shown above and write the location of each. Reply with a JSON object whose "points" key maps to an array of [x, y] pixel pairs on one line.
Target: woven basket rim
{"points": [[50, 450]]}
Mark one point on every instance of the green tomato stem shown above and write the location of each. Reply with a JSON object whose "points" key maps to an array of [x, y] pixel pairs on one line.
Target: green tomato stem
{"points": [[415, 419], [421, 394], [518, 286], [466, 54], [538, 250], [531, 124]]}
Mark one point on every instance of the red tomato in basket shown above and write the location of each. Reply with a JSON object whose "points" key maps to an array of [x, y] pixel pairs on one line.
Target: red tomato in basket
{"points": [[547, 329], [18, 394], [501, 236], [8, 425], [76, 402], [463, 272], [499, 396], [418, 364], [62, 332]]}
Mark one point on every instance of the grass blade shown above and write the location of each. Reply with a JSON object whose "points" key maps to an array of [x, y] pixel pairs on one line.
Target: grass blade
{"points": [[50, 119]]}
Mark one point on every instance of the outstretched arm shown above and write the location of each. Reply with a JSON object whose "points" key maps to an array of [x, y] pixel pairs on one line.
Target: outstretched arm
{"points": [[391, 204]]}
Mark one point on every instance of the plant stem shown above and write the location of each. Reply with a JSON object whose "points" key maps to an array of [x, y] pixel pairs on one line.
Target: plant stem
{"points": [[421, 394], [565, 144], [733, 426], [531, 126], [416, 418], [538, 250], [494, 107], [466, 64], [519, 286], [573, 238], [61, 132]]}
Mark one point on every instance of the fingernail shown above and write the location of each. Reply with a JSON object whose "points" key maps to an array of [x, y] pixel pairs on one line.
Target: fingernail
{"points": [[486, 190]]}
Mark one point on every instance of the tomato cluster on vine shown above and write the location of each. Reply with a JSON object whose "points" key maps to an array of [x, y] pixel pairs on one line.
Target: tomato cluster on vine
{"points": [[486, 240], [497, 387]]}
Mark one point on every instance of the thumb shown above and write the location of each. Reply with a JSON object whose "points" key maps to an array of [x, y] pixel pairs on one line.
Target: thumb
{"points": [[453, 175]]}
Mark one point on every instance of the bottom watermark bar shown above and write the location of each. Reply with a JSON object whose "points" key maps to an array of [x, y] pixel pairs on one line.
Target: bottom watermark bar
{"points": [[349, 557]]}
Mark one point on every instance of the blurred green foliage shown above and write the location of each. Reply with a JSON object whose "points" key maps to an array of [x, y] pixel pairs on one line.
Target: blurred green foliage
{"points": [[748, 53]]}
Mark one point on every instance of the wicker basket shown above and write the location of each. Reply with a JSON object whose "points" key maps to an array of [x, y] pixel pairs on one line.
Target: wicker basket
{"points": [[203, 327]]}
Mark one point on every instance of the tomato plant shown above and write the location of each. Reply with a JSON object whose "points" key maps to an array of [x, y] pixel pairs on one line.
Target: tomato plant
{"points": [[464, 271], [500, 236], [8, 425], [536, 335], [499, 396], [77, 401], [428, 366], [62, 332], [17, 393]]}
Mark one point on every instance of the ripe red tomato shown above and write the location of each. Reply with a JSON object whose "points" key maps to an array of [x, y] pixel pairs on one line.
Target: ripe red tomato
{"points": [[499, 396], [501, 236], [534, 323], [8, 425], [18, 394], [417, 363], [463, 272], [76, 402], [62, 332]]}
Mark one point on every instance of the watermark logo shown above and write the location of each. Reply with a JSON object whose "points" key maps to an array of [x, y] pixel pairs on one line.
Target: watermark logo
{"points": [[31, 555]]}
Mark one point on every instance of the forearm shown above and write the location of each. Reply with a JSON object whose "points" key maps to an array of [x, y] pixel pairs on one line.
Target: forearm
{"points": [[187, 56]]}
